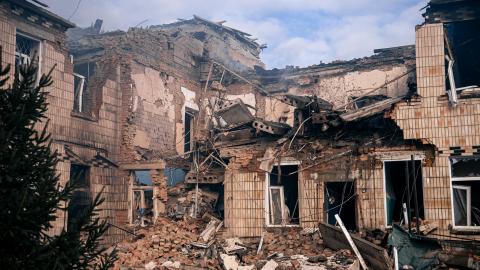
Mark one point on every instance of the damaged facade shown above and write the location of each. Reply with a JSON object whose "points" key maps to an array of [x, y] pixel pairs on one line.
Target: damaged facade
{"points": [[381, 140]]}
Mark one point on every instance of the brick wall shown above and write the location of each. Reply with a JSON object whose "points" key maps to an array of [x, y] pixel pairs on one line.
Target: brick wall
{"points": [[431, 119], [84, 137]]}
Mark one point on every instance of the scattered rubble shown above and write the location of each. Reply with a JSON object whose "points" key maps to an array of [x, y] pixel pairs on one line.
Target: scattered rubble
{"points": [[194, 243]]}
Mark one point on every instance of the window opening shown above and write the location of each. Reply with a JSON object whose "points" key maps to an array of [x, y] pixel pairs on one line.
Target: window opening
{"points": [[396, 190], [81, 199], [465, 173], [188, 130], [283, 204], [82, 72], [26, 48], [141, 204]]}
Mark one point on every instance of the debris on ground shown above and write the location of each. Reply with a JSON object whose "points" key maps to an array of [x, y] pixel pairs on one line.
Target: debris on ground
{"points": [[198, 243]]}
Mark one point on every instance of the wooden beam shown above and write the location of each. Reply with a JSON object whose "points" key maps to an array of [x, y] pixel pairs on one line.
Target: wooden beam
{"points": [[350, 241]]}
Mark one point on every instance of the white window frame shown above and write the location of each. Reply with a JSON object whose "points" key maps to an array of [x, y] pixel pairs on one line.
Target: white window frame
{"points": [[469, 202], [282, 202], [385, 185], [24, 56], [80, 94], [266, 204]]}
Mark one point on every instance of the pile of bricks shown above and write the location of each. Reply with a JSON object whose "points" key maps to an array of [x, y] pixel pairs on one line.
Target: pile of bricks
{"points": [[172, 244], [167, 240], [285, 242], [291, 242]]}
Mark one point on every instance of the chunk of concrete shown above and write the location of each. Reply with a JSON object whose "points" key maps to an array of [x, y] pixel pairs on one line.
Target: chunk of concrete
{"points": [[270, 265], [170, 264], [229, 262], [235, 113], [151, 265]]}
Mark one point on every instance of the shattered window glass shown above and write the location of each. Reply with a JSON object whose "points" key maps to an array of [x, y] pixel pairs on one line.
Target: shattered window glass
{"points": [[465, 167]]}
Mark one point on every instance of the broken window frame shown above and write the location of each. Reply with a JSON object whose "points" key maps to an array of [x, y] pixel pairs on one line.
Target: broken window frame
{"points": [[468, 191], [26, 59], [280, 191], [78, 93], [84, 97], [416, 158], [453, 185], [266, 204], [131, 196]]}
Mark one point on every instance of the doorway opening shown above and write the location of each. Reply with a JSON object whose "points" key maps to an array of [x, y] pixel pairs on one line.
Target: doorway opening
{"points": [[282, 196], [340, 199], [396, 174]]}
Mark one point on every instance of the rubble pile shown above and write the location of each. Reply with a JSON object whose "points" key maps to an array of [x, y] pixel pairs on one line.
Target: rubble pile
{"points": [[178, 240], [291, 248], [197, 244], [184, 201], [292, 241], [166, 241]]}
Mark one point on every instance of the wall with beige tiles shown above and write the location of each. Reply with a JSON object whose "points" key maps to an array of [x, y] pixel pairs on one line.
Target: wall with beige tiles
{"points": [[430, 118]]}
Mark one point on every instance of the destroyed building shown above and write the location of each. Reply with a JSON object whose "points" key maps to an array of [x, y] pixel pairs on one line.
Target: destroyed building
{"points": [[381, 140]]}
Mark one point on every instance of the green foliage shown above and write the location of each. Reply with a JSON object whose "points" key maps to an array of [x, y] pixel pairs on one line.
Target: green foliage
{"points": [[30, 194]]}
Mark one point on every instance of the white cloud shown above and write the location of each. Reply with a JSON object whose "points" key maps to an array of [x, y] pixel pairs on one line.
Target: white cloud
{"points": [[346, 28]]}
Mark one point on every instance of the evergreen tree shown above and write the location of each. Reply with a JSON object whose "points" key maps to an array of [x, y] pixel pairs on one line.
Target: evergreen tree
{"points": [[30, 194]]}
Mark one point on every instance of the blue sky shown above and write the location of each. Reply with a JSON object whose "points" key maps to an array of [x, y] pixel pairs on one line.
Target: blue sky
{"points": [[297, 32]]}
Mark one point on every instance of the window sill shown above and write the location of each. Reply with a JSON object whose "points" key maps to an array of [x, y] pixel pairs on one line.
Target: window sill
{"points": [[465, 230], [83, 116]]}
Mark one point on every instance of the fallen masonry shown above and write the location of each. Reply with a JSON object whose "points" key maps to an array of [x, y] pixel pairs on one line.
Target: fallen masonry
{"points": [[178, 244]]}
